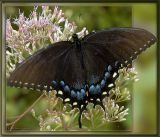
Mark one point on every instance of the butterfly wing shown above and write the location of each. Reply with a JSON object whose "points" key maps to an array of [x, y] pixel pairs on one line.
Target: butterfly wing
{"points": [[124, 43], [83, 75], [106, 51], [101, 71], [41, 68]]}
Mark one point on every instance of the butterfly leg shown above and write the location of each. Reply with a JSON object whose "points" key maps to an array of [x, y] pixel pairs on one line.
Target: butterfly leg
{"points": [[80, 116], [79, 119], [94, 105]]}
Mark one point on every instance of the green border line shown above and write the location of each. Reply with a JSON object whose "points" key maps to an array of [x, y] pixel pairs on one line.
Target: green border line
{"points": [[96, 1], [82, 1], [158, 68], [1, 66]]}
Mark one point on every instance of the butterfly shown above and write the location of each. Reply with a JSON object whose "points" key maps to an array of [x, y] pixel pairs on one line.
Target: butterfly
{"points": [[83, 70]]}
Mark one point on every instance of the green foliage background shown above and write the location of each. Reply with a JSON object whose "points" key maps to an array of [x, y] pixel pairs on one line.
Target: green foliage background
{"points": [[93, 18]]}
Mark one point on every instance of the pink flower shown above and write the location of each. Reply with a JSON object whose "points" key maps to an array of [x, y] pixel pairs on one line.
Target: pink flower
{"points": [[37, 31], [8, 29]]}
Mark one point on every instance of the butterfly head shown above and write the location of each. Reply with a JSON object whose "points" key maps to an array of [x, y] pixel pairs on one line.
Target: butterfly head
{"points": [[75, 37]]}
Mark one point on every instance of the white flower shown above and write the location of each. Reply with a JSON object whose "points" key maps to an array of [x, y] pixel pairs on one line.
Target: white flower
{"points": [[114, 113]]}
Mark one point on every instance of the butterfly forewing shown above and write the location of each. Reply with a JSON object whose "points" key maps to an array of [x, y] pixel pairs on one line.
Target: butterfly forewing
{"points": [[125, 43], [41, 68]]}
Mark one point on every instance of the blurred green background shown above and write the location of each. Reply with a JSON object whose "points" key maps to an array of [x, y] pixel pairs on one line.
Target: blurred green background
{"points": [[144, 16], [93, 18]]}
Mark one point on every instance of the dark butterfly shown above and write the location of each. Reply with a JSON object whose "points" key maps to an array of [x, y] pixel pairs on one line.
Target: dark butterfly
{"points": [[83, 70]]}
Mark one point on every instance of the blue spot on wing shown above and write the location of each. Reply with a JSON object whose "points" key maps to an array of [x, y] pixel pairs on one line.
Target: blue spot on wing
{"points": [[62, 83], [79, 96], [107, 75], [92, 89], [98, 88], [83, 92], [109, 68], [67, 89], [54, 83], [73, 94], [103, 82]]}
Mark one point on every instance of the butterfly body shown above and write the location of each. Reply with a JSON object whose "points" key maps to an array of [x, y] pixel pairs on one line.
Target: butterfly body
{"points": [[84, 70]]}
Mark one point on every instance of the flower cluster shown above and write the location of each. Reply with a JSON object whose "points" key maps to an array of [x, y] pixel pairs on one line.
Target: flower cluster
{"points": [[42, 29], [115, 112], [35, 32], [57, 115]]}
